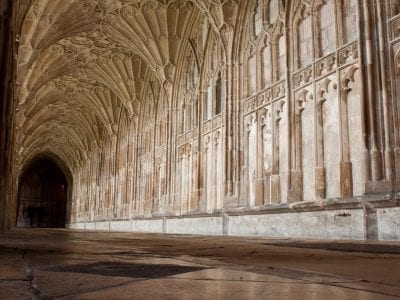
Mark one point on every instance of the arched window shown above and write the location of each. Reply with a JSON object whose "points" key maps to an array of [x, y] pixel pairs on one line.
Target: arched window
{"points": [[213, 98], [322, 26], [265, 60], [213, 67], [187, 108]]}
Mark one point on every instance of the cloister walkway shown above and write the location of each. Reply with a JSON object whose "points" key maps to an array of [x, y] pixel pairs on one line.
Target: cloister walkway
{"points": [[65, 264]]}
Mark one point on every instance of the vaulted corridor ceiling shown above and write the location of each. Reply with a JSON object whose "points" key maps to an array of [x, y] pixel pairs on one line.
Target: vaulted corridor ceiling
{"points": [[81, 62]]}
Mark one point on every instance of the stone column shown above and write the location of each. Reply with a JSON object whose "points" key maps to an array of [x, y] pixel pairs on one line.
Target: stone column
{"points": [[296, 188], [219, 169], [207, 174], [275, 177], [370, 95], [387, 114], [263, 176], [345, 167], [251, 160], [320, 185], [113, 175]]}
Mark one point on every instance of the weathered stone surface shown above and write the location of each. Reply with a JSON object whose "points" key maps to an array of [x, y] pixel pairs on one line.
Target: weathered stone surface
{"points": [[61, 264], [342, 224], [351, 219], [148, 225], [388, 223], [208, 226], [120, 226]]}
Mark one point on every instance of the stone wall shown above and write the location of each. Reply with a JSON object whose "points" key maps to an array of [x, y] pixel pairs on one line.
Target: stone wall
{"points": [[6, 108], [180, 113], [373, 217]]}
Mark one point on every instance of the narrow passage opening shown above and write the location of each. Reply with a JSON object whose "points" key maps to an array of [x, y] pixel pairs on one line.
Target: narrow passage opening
{"points": [[42, 196]]}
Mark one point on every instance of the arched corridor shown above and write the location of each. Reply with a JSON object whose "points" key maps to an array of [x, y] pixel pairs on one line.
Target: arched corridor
{"points": [[260, 125], [42, 196], [238, 117]]}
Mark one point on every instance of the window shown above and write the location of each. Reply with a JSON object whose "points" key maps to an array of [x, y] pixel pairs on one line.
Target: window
{"points": [[328, 18], [213, 98]]}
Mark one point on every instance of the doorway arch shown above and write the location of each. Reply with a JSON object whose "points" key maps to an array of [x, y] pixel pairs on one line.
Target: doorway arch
{"points": [[42, 195]]}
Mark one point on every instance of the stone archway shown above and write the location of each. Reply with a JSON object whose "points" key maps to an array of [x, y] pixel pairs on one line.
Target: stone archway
{"points": [[42, 195]]}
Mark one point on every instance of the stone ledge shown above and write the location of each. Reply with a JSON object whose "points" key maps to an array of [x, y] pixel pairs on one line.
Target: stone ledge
{"points": [[377, 200], [354, 223]]}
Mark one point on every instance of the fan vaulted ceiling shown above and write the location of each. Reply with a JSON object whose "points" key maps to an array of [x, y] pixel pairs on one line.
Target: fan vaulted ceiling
{"points": [[82, 62]]}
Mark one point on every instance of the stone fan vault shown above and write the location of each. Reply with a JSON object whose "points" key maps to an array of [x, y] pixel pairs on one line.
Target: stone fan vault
{"points": [[240, 117]]}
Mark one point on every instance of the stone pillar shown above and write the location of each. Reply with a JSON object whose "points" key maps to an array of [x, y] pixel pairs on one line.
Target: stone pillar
{"points": [[230, 119], [320, 185], [219, 173], [207, 167], [345, 167], [275, 177], [296, 181], [370, 90], [251, 161], [387, 114], [262, 184], [113, 175]]}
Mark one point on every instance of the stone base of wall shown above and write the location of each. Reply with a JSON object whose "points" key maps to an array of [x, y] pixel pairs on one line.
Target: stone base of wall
{"points": [[360, 218]]}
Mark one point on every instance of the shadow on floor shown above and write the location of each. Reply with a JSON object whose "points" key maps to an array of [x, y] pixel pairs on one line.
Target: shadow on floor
{"points": [[345, 247], [120, 269]]}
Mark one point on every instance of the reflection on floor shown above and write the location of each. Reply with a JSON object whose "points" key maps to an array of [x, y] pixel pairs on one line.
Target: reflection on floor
{"points": [[62, 264]]}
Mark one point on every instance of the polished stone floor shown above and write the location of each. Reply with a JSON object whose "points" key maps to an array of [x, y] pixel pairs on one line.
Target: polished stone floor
{"points": [[62, 264]]}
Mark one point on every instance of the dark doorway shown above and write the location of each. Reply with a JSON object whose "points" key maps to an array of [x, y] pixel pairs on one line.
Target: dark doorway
{"points": [[42, 196]]}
